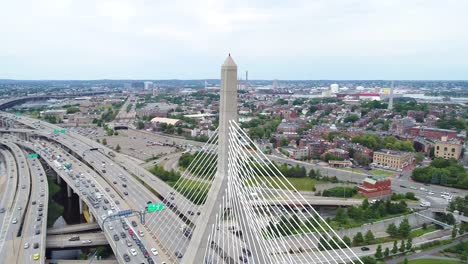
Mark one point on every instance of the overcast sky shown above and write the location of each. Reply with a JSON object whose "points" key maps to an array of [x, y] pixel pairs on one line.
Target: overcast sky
{"points": [[273, 39]]}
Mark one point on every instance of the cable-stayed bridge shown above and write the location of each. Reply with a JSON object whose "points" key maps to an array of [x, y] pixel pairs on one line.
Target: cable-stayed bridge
{"points": [[224, 208], [230, 184]]}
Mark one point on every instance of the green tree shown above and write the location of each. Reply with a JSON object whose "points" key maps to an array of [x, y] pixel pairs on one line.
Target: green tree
{"points": [[284, 142], [387, 252], [369, 237], [405, 261], [454, 231], [140, 125], [392, 230], [404, 229], [104, 141], [378, 253], [358, 239], [347, 241], [97, 140], [365, 204], [410, 196], [409, 243], [368, 260], [402, 246], [395, 247], [117, 148]]}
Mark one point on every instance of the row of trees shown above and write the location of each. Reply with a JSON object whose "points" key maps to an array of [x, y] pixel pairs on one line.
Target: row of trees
{"points": [[375, 142], [369, 212], [167, 176], [443, 172], [340, 191], [403, 230]]}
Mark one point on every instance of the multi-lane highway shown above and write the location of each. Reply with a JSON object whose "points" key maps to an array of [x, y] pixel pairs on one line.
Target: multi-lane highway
{"points": [[24, 237], [126, 185]]}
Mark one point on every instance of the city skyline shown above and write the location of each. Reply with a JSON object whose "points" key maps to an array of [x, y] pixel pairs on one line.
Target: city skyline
{"points": [[304, 40]]}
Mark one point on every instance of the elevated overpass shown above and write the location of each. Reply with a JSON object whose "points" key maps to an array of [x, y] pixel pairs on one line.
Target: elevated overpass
{"points": [[73, 229], [86, 240], [4, 104], [76, 261]]}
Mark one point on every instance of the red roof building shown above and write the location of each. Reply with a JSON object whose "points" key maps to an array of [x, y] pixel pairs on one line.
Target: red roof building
{"points": [[376, 186]]}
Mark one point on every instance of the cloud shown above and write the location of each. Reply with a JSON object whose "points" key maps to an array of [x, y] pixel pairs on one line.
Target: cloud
{"points": [[296, 39]]}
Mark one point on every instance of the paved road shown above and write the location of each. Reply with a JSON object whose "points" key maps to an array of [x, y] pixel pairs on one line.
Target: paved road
{"points": [[8, 200], [427, 252], [72, 228], [86, 239]]}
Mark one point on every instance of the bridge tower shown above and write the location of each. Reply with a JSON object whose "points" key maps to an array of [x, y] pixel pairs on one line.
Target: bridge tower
{"points": [[228, 112]]}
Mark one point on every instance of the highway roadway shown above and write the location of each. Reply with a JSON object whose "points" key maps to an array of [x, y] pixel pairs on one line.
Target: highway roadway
{"points": [[85, 239], [120, 247], [13, 244], [8, 200], [132, 168], [26, 237], [83, 180]]}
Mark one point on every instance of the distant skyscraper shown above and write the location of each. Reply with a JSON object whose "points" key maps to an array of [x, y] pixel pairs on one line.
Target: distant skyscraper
{"points": [[334, 88], [148, 85], [390, 100]]}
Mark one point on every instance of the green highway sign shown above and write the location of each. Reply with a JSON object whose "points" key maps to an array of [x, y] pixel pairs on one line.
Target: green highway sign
{"points": [[33, 156], [59, 131], [154, 207]]}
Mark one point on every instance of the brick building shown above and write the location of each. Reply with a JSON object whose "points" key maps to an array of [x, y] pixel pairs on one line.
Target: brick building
{"points": [[433, 133], [392, 159], [448, 149], [376, 186]]}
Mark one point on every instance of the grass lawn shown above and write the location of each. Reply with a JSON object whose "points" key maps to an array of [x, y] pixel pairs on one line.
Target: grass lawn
{"points": [[419, 232], [383, 172], [432, 261], [193, 190], [301, 184], [352, 170]]}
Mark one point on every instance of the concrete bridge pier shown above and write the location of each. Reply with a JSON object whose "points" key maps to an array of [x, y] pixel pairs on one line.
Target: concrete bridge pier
{"points": [[91, 218], [59, 180], [80, 202], [69, 191]]}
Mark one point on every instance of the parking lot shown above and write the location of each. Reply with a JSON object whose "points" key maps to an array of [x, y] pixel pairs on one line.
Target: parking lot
{"points": [[139, 145]]}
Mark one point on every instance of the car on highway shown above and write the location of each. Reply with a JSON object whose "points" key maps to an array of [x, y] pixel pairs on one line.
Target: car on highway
{"points": [[126, 257], [36, 245], [129, 243], [130, 232], [74, 238], [365, 249], [133, 252], [141, 233], [14, 221], [37, 232], [2, 210], [116, 237], [86, 241], [126, 193], [243, 259], [134, 224], [111, 227], [123, 235], [154, 251], [36, 256], [26, 245], [178, 254]]}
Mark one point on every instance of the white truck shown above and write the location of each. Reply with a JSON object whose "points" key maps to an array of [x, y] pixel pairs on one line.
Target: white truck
{"points": [[425, 204], [98, 195]]}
